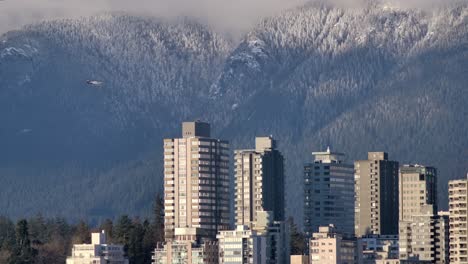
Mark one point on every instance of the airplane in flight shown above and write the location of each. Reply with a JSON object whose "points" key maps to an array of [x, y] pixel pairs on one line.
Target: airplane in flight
{"points": [[93, 82]]}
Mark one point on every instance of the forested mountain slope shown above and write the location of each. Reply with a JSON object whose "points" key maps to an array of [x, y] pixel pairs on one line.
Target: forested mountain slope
{"points": [[378, 78]]}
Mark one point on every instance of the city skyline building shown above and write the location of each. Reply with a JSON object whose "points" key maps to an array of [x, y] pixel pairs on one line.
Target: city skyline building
{"points": [[376, 195], [369, 199], [259, 182], [417, 190], [328, 193], [458, 214], [423, 232], [196, 183]]}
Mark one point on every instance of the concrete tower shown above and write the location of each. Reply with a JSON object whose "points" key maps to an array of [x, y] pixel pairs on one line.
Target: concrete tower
{"points": [[329, 193], [259, 176], [196, 184], [376, 201]]}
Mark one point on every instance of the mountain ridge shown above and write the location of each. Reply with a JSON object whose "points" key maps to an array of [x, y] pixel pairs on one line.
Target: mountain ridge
{"points": [[359, 80]]}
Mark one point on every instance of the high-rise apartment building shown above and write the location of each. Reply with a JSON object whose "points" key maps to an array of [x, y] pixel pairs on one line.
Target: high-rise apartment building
{"points": [[376, 200], [329, 193], [458, 206], [417, 190], [259, 176], [423, 233], [196, 183]]}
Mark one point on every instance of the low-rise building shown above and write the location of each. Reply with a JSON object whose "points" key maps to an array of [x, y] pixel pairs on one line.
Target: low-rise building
{"points": [[98, 252], [374, 249], [187, 248], [267, 242], [186, 252], [424, 238], [242, 246], [329, 247]]}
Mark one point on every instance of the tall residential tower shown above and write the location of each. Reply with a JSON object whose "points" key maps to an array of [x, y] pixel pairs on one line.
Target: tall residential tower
{"points": [[329, 193], [196, 183], [418, 190], [259, 176], [376, 201], [458, 206], [423, 232]]}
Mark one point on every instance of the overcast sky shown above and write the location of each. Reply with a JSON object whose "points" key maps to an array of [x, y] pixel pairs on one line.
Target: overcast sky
{"points": [[235, 15], [232, 14]]}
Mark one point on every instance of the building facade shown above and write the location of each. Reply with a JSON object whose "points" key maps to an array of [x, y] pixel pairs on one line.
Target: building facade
{"points": [[196, 182], [425, 239], [299, 259], [242, 246], [278, 243], [373, 249], [423, 232], [277, 235], [259, 178], [98, 252], [268, 242], [329, 247], [186, 252], [328, 193], [417, 190], [376, 198], [442, 237], [458, 201]]}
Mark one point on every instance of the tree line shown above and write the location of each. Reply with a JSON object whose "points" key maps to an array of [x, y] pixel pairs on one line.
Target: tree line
{"points": [[38, 240]]}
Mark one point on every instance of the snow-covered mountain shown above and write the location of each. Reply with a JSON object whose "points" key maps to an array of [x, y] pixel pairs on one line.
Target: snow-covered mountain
{"points": [[378, 78]]}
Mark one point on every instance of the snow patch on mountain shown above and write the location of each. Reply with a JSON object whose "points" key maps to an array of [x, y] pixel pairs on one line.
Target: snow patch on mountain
{"points": [[26, 51], [257, 47]]}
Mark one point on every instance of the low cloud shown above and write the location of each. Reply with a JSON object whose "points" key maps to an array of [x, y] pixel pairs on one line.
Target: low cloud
{"points": [[237, 15], [230, 15]]}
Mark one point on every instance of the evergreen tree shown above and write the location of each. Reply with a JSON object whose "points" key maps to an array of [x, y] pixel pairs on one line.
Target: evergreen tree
{"points": [[158, 225], [7, 234], [149, 241], [123, 231], [7, 239], [136, 253], [23, 253], [298, 239], [38, 231], [82, 234]]}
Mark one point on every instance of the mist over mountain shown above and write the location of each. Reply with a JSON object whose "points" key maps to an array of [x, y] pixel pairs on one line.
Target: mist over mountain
{"points": [[377, 78]]}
